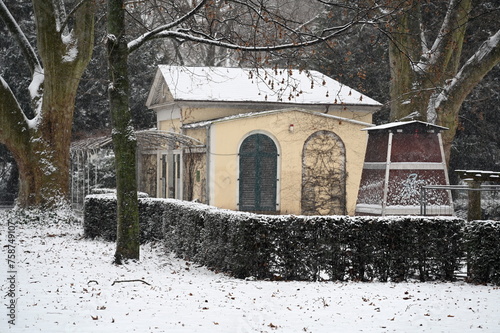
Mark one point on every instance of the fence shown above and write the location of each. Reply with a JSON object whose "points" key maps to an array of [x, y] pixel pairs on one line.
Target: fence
{"points": [[463, 196]]}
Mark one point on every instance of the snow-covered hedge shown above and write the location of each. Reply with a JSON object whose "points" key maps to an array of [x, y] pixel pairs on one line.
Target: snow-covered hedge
{"points": [[310, 247], [100, 217], [315, 247], [482, 243], [223, 240]]}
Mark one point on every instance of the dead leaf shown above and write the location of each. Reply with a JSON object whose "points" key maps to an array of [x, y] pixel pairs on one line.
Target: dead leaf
{"points": [[272, 326]]}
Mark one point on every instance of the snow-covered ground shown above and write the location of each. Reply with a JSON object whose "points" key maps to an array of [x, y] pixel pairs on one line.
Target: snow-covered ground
{"points": [[65, 283]]}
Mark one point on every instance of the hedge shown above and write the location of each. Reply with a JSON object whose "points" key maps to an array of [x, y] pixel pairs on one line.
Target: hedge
{"points": [[315, 248], [99, 217], [482, 244]]}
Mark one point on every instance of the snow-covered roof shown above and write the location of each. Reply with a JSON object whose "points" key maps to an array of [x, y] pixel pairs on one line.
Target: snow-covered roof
{"points": [[291, 86], [403, 123], [264, 113]]}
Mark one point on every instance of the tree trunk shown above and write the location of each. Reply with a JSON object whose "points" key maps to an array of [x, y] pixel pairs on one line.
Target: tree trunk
{"points": [[124, 141], [428, 83], [405, 85], [446, 103], [41, 145]]}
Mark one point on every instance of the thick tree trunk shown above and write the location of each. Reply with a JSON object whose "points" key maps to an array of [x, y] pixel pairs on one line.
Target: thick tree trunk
{"points": [[65, 55], [41, 145], [405, 86], [420, 77], [41, 151], [124, 141], [447, 103]]}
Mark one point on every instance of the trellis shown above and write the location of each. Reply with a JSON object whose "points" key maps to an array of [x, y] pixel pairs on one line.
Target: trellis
{"points": [[85, 169]]}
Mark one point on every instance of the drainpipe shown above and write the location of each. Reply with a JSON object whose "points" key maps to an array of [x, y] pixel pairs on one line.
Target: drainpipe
{"points": [[207, 168]]}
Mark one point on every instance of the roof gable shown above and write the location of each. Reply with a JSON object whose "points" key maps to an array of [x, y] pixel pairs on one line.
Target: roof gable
{"points": [[219, 84], [407, 125], [159, 93]]}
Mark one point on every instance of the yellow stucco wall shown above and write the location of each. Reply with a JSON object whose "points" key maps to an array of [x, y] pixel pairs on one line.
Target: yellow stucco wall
{"points": [[192, 114], [170, 125], [227, 136], [195, 114]]}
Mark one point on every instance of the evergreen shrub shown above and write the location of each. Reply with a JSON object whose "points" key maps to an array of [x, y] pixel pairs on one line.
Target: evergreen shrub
{"points": [[482, 244], [99, 218], [288, 247], [315, 247]]}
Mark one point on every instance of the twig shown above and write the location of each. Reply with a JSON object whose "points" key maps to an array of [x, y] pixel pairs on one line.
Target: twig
{"points": [[121, 281]]}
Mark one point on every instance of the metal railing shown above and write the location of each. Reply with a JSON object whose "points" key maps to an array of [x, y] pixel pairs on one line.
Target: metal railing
{"points": [[461, 199]]}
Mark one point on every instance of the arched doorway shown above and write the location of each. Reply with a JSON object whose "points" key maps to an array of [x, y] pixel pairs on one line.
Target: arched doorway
{"points": [[323, 175], [258, 174]]}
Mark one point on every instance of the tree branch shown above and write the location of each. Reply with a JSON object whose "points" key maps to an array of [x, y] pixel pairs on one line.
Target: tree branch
{"points": [[13, 127], [36, 86], [17, 33], [440, 41], [275, 21], [122, 281], [454, 24], [84, 22], [138, 42], [60, 14], [472, 72], [66, 20], [185, 35]]}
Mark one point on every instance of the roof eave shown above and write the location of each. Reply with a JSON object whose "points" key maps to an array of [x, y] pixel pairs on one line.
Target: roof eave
{"points": [[393, 125], [370, 108]]}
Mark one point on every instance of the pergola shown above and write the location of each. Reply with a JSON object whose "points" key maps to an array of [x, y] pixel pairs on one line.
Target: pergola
{"points": [[86, 153]]}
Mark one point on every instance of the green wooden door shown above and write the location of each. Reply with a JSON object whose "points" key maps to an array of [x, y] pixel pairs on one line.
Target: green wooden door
{"points": [[258, 174]]}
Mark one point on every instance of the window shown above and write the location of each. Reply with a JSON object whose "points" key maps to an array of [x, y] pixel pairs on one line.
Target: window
{"points": [[258, 174]]}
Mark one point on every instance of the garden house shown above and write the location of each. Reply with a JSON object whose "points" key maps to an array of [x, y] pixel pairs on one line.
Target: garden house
{"points": [[401, 158], [261, 140]]}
